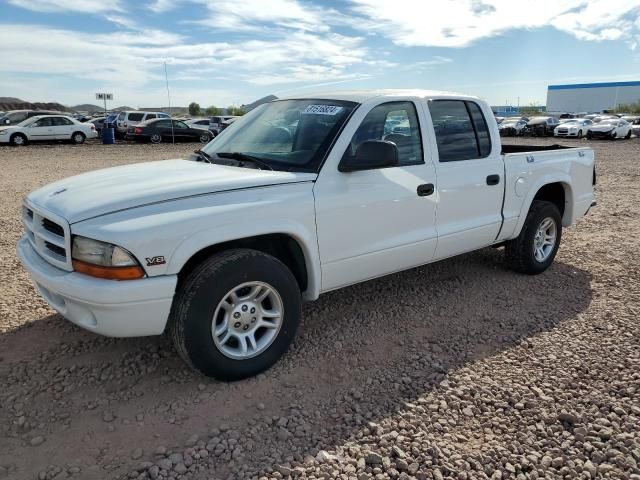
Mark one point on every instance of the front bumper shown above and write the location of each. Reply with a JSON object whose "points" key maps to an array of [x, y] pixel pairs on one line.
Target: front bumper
{"points": [[130, 308], [596, 134]]}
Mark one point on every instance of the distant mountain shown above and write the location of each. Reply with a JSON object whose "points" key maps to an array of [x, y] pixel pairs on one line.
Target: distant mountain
{"points": [[11, 103], [257, 103], [87, 107], [122, 109]]}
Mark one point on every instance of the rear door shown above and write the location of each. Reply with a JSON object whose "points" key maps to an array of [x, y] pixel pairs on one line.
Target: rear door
{"points": [[470, 174], [63, 128], [41, 130]]}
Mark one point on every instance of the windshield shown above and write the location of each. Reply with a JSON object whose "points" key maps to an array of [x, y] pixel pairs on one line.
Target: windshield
{"points": [[285, 134]]}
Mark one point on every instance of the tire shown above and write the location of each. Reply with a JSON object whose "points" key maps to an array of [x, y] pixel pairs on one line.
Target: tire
{"points": [[205, 138], [628, 135], [613, 135], [197, 314], [155, 138], [579, 133], [521, 252], [78, 138], [18, 140], [589, 134]]}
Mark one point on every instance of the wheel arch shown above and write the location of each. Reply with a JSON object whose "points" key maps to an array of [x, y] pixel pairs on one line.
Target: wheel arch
{"points": [[557, 191], [285, 246]]}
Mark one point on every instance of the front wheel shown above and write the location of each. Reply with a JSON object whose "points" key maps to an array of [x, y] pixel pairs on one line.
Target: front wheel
{"points": [[579, 133], [533, 251], [236, 314], [613, 135], [589, 134], [628, 136], [18, 140]]}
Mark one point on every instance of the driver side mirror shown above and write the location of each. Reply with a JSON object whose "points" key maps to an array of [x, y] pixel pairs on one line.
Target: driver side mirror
{"points": [[371, 155]]}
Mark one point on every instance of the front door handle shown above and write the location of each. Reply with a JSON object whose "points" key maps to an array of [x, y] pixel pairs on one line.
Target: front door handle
{"points": [[493, 179], [425, 189]]}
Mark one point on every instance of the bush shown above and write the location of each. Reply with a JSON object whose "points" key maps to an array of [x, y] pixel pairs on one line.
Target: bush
{"points": [[212, 110], [194, 109], [234, 111], [629, 108]]}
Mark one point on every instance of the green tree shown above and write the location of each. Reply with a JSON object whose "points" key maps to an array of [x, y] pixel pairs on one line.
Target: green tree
{"points": [[532, 109], [212, 110], [629, 108], [233, 110], [194, 109]]}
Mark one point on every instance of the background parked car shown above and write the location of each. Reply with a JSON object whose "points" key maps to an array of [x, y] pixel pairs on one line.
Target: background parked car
{"points": [[46, 128], [611, 128], [204, 123], [133, 118], [217, 121], [14, 117], [512, 126], [159, 130], [541, 126], [227, 122], [99, 124], [632, 119], [577, 127]]}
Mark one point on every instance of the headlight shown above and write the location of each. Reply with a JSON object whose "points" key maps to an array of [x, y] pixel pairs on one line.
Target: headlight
{"points": [[104, 260]]}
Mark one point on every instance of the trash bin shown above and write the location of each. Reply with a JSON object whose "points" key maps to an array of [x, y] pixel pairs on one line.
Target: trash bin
{"points": [[108, 136]]}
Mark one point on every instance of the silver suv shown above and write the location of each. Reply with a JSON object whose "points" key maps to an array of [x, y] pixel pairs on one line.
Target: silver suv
{"points": [[134, 117]]}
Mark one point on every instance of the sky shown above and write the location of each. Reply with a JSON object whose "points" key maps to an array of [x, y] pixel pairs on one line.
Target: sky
{"points": [[230, 52]]}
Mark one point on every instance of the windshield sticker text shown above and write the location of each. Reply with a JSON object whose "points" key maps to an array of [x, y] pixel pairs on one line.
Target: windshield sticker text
{"points": [[322, 109]]}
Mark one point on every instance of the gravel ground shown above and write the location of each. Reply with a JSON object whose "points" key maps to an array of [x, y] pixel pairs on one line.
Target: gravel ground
{"points": [[460, 369]]}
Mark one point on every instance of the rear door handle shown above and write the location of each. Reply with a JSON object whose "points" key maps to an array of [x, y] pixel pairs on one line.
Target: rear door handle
{"points": [[493, 179], [425, 189]]}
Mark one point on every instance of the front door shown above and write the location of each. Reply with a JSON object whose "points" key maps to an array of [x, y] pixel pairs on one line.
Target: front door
{"points": [[42, 130], [374, 222], [63, 128]]}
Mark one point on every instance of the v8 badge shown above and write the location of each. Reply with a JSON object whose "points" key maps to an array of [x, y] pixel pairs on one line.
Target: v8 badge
{"points": [[157, 260]]}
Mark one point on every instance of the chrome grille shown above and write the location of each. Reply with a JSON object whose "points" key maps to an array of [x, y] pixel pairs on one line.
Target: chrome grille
{"points": [[49, 235]]}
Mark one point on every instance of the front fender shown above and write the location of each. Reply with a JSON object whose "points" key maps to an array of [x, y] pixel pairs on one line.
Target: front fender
{"points": [[164, 236]]}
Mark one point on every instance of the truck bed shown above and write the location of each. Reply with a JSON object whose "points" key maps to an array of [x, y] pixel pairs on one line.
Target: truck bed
{"points": [[532, 148]]}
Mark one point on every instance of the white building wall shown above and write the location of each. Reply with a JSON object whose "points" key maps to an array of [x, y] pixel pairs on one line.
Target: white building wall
{"points": [[591, 99]]}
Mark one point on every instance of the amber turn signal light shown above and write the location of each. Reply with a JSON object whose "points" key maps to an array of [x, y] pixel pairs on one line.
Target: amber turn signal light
{"points": [[108, 273]]}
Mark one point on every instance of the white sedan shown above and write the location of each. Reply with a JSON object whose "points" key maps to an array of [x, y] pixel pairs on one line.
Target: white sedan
{"points": [[610, 128], [575, 127], [47, 127]]}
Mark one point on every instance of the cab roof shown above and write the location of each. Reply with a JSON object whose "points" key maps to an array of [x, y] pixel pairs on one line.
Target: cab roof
{"points": [[361, 96]]}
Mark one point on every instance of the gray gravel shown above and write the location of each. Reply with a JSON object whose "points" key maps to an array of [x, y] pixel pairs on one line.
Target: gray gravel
{"points": [[461, 369]]}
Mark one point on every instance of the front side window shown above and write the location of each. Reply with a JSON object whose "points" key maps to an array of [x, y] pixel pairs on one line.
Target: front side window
{"points": [[179, 125], [150, 116], [461, 130], [121, 116], [43, 122], [395, 122], [163, 115], [291, 135]]}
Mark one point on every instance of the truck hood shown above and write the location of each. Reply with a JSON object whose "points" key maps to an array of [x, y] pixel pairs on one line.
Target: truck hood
{"points": [[109, 190]]}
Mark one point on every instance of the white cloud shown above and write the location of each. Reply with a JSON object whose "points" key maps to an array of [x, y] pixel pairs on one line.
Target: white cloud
{"points": [[161, 6], [255, 15], [83, 6], [458, 23]]}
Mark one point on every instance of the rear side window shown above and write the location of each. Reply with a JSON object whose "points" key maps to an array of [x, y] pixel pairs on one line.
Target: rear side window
{"points": [[461, 130], [59, 121], [150, 116], [135, 117]]}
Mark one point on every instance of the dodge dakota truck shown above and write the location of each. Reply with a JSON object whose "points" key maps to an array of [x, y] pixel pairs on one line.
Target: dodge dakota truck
{"points": [[300, 196]]}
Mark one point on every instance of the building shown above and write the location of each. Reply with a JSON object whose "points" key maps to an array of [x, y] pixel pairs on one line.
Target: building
{"points": [[591, 97]]}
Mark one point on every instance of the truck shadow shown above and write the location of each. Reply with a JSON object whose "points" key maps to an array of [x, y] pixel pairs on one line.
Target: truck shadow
{"points": [[362, 355]]}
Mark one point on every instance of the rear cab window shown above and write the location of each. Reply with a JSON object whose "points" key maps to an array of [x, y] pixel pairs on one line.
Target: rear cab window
{"points": [[461, 130]]}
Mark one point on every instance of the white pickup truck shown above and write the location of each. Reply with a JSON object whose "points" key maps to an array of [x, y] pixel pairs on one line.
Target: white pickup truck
{"points": [[301, 196]]}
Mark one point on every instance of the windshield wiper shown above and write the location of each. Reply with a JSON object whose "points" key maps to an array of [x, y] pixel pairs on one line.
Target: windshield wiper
{"points": [[205, 156], [243, 157]]}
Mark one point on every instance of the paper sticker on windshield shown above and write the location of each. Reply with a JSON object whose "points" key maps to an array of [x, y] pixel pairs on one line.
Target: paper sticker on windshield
{"points": [[322, 109]]}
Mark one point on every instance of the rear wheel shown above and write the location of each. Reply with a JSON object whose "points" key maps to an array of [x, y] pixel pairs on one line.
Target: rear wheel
{"points": [[155, 138], [78, 138], [533, 251], [205, 138], [18, 140], [236, 314]]}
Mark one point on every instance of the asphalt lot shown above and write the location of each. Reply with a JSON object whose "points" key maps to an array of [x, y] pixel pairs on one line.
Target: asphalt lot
{"points": [[460, 369]]}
